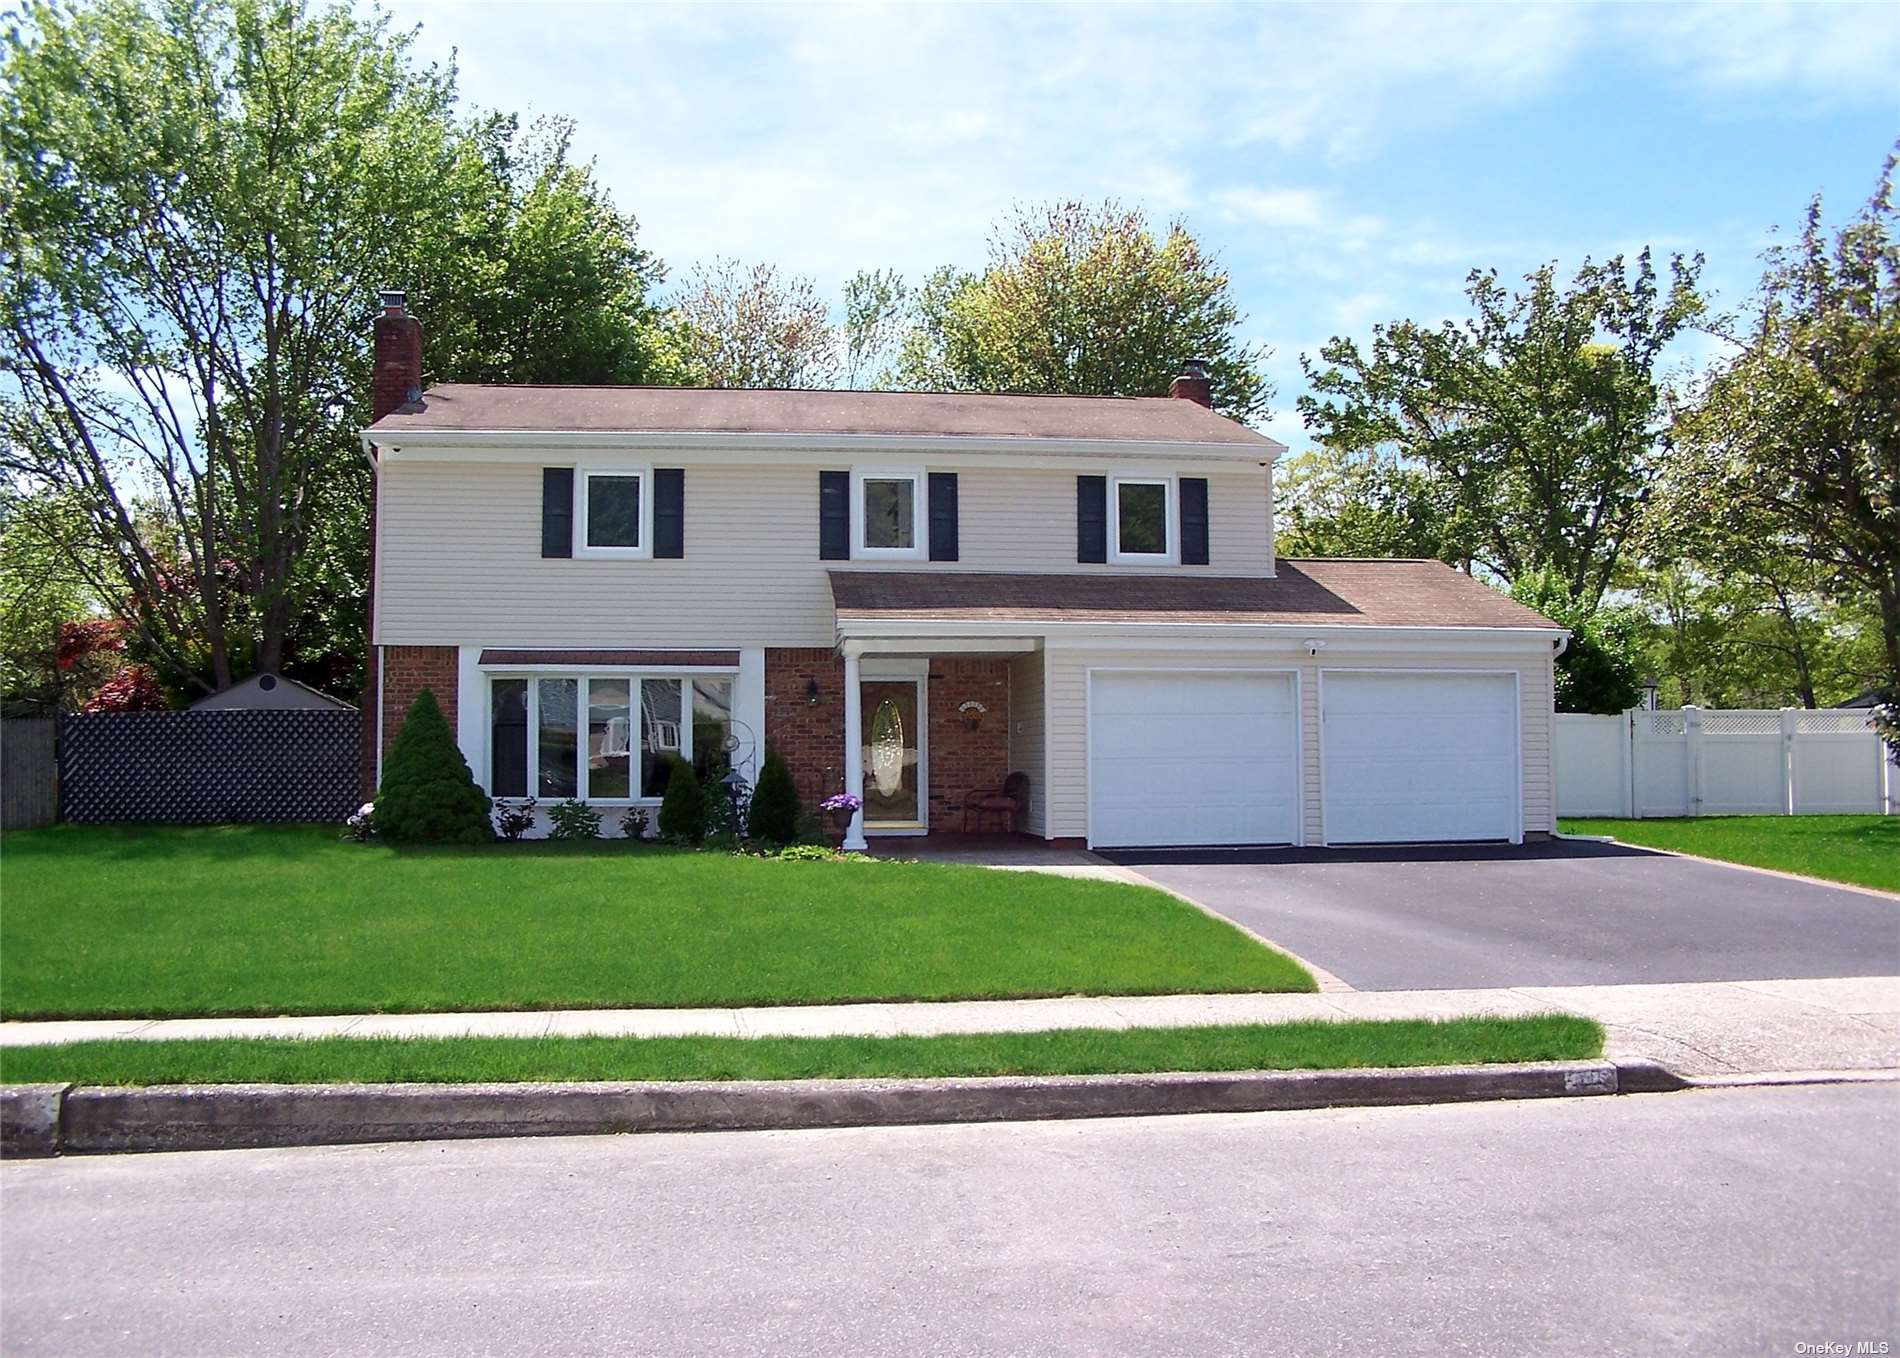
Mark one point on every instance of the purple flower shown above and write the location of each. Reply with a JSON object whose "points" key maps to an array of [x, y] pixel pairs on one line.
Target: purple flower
{"points": [[842, 801]]}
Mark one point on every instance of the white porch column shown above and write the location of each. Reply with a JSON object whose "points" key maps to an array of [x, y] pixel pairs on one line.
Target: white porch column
{"points": [[853, 751]]}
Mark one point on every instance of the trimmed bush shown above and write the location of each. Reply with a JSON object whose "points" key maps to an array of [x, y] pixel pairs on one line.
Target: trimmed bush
{"points": [[683, 809], [428, 795], [573, 820], [774, 815]]}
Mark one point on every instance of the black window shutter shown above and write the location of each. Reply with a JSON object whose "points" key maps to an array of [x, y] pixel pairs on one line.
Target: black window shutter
{"points": [[669, 511], [834, 516], [557, 511], [1194, 521], [943, 516], [1091, 518]]}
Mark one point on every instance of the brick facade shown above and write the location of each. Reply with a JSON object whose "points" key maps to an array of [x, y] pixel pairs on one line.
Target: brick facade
{"points": [[407, 670], [965, 760], [810, 733], [807, 731]]}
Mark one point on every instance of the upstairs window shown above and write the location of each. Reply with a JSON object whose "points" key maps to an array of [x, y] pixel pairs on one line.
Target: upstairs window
{"points": [[614, 513], [1139, 518], [885, 521]]}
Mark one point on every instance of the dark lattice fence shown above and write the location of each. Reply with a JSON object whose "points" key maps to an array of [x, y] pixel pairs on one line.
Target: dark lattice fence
{"points": [[201, 767]]}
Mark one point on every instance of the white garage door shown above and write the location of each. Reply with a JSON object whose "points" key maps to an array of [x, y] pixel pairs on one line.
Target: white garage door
{"points": [[1185, 758], [1410, 757]]}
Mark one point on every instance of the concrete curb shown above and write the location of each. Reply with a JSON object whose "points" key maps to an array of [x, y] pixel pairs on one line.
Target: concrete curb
{"points": [[62, 1119], [29, 1119]]}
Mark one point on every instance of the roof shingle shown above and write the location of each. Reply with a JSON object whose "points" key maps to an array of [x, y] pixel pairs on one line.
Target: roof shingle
{"points": [[1314, 593], [471, 407]]}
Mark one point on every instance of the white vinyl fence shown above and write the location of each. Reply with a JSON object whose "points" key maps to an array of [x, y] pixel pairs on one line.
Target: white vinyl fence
{"points": [[1723, 762]]}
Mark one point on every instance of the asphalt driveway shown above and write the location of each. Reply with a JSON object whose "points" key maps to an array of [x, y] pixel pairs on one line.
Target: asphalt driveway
{"points": [[1558, 913]]}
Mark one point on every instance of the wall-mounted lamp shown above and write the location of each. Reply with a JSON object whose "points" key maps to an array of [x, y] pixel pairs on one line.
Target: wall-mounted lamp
{"points": [[1313, 647], [811, 693]]}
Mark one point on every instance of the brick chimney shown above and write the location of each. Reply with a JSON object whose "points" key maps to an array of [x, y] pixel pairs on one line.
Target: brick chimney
{"points": [[1193, 384], [398, 379], [395, 381]]}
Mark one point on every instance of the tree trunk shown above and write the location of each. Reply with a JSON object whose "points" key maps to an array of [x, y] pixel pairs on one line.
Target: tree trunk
{"points": [[1797, 650]]}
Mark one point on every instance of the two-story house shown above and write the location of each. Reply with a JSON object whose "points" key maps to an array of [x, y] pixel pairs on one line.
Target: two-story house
{"points": [[912, 596]]}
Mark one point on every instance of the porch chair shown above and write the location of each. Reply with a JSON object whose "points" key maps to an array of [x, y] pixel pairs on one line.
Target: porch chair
{"points": [[1010, 803]]}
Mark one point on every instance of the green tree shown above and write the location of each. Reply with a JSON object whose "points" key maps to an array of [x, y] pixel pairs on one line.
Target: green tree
{"points": [[877, 312], [538, 276], [54, 647], [1597, 671], [1363, 504], [427, 795], [751, 326], [1536, 420], [1760, 635], [773, 816], [201, 197], [1791, 449], [1084, 298]]}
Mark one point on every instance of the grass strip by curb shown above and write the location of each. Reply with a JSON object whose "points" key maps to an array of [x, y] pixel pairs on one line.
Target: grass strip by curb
{"points": [[1324, 1045]]}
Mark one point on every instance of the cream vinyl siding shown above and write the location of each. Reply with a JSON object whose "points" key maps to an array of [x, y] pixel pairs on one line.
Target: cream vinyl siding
{"points": [[459, 553], [1027, 733], [1066, 704], [1025, 521]]}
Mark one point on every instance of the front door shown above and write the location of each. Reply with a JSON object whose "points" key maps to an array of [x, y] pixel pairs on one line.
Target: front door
{"points": [[892, 722]]}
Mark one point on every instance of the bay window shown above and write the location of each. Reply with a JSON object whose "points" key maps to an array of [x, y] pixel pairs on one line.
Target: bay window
{"points": [[556, 751], [661, 739], [508, 738], [712, 727], [609, 737], [603, 737]]}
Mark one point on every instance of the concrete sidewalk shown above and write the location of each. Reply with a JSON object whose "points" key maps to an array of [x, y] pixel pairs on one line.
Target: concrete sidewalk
{"points": [[1700, 1029]]}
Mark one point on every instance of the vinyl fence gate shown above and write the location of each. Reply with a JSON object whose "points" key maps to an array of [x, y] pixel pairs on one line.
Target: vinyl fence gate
{"points": [[1723, 762]]}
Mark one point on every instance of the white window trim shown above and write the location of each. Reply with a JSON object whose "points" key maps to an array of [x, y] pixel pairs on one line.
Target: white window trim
{"points": [[1170, 534], [919, 514], [581, 546], [685, 678]]}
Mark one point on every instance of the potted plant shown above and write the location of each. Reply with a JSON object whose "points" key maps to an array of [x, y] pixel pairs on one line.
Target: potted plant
{"points": [[839, 809]]}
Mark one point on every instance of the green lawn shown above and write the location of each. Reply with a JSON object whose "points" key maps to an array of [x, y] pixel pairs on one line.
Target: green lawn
{"points": [[342, 1060], [135, 921], [1864, 850]]}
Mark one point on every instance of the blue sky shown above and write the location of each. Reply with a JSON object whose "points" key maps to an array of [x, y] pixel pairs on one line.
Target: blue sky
{"points": [[1349, 164]]}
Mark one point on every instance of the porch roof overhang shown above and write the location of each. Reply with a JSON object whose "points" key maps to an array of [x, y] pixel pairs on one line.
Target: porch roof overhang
{"points": [[1374, 602]]}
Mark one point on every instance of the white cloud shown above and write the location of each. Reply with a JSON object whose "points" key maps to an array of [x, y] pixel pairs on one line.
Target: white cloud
{"points": [[1826, 52], [1342, 73]]}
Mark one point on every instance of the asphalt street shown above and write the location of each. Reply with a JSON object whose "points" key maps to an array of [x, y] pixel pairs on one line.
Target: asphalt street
{"points": [[1564, 912], [1733, 1221]]}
